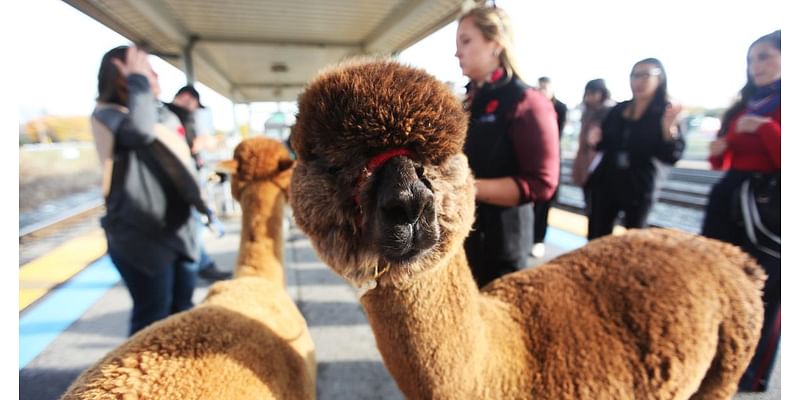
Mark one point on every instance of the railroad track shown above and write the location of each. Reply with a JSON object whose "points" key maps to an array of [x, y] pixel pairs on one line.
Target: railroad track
{"points": [[681, 201], [684, 187], [36, 239], [63, 217]]}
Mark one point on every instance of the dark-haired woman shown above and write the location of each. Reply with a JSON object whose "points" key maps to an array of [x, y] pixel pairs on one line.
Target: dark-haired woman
{"points": [[148, 189], [596, 104], [511, 145], [638, 137], [750, 143]]}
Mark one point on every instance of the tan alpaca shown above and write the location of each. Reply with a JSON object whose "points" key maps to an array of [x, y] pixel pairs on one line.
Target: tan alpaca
{"points": [[247, 340], [259, 173], [383, 191]]}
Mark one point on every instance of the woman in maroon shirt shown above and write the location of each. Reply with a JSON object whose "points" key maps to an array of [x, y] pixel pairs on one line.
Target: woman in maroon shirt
{"points": [[750, 143], [512, 146]]}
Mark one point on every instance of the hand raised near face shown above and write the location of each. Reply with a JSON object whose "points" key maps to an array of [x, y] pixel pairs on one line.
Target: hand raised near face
{"points": [[749, 123], [669, 122], [135, 62]]}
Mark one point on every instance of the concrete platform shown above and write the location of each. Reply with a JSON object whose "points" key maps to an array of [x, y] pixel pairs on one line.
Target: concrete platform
{"points": [[350, 366]]}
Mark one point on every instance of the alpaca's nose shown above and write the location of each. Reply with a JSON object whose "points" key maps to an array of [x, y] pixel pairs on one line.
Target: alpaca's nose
{"points": [[402, 198], [406, 205]]}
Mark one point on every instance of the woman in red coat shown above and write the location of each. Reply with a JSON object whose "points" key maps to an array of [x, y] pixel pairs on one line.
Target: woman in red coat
{"points": [[750, 143]]}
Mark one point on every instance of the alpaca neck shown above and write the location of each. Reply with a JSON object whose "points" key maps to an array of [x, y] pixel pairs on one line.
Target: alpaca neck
{"points": [[436, 335], [261, 240]]}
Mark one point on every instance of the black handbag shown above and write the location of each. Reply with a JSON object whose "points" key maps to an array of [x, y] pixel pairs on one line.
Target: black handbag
{"points": [[757, 206]]}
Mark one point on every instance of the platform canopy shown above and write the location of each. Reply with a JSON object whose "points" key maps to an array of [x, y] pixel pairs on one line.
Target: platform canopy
{"points": [[266, 50]]}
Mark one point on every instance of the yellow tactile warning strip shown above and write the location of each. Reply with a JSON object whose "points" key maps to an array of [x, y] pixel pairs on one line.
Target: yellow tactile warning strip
{"points": [[42, 274], [573, 223], [37, 277]]}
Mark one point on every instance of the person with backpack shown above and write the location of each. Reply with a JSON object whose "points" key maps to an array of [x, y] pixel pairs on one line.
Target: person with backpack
{"points": [[150, 188]]}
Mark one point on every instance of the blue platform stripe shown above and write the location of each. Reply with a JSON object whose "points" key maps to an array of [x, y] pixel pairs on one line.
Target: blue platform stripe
{"points": [[55, 313], [563, 239], [40, 325]]}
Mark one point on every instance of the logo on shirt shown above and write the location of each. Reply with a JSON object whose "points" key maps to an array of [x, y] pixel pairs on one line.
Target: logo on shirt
{"points": [[489, 116], [492, 106]]}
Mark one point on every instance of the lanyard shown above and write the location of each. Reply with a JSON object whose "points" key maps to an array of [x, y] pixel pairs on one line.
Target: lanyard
{"points": [[626, 132]]}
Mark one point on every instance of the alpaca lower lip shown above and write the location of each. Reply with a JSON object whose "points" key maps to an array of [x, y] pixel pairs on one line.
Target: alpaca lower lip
{"points": [[403, 258], [407, 242], [398, 241]]}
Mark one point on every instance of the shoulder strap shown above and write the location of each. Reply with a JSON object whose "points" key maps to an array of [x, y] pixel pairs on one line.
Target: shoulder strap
{"points": [[105, 119], [752, 220], [175, 160], [110, 115]]}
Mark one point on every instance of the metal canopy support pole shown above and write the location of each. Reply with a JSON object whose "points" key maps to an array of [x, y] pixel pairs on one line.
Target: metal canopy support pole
{"points": [[188, 61], [249, 118], [236, 128], [228, 205]]}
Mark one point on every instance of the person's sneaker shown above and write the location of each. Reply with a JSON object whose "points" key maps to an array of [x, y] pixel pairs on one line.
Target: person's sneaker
{"points": [[538, 250], [212, 273]]}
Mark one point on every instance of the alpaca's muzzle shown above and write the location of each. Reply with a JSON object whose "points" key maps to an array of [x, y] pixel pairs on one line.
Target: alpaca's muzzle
{"points": [[405, 212]]}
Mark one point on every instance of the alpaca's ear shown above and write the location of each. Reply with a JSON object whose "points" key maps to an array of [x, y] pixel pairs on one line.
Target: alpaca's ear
{"points": [[284, 175], [285, 164], [227, 166], [230, 168]]}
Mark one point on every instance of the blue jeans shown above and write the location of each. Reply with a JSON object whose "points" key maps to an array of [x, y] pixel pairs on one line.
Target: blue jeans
{"points": [[157, 297]]}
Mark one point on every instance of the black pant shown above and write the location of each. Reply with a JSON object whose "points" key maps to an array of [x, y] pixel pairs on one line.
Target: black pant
{"points": [[719, 224], [605, 207], [499, 242], [541, 211]]}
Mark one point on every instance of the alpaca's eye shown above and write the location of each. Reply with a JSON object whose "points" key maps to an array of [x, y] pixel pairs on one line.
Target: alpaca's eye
{"points": [[328, 167]]}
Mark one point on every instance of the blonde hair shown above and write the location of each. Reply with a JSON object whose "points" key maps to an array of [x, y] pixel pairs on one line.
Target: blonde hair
{"points": [[495, 25]]}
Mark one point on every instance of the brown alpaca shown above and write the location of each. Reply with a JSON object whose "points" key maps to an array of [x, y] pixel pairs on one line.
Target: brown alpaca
{"points": [[247, 340], [383, 191]]}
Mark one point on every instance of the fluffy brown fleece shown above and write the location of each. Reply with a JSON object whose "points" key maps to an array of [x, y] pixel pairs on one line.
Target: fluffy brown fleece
{"points": [[653, 314], [247, 340], [348, 115], [352, 118]]}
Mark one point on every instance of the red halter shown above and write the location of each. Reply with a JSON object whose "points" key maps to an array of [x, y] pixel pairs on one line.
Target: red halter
{"points": [[373, 164]]}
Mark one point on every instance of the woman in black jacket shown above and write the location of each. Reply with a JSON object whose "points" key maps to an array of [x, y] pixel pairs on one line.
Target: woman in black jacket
{"points": [[638, 137]]}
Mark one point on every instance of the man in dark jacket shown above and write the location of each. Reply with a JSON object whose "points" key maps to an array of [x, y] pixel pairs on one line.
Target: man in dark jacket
{"points": [[185, 103], [541, 209]]}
